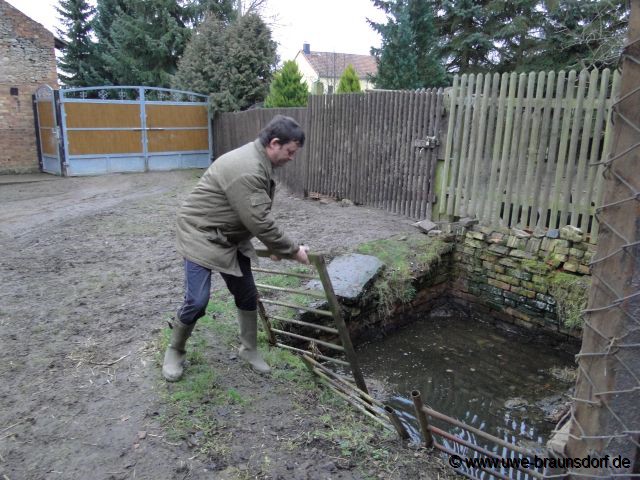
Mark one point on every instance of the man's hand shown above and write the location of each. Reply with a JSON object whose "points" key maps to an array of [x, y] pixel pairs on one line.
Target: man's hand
{"points": [[301, 255]]}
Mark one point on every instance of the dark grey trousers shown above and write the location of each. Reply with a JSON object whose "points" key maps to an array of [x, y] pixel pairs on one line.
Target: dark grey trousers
{"points": [[197, 289]]}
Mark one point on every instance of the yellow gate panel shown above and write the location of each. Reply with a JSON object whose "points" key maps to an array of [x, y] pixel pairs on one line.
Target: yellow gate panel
{"points": [[102, 115], [168, 116], [178, 140], [87, 142], [48, 142], [46, 117]]}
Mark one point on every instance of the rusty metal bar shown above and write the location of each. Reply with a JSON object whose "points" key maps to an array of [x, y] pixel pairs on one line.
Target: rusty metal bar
{"points": [[480, 433], [305, 324], [351, 393], [449, 452], [483, 451], [266, 323], [355, 404], [422, 418], [317, 355], [315, 340], [310, 293], [319, 263], [395, 421], [299, 307], [364, 395], [290, 274]]}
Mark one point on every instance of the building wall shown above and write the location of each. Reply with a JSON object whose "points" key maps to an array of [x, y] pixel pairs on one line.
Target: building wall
{"points": [[311, 76], [27, 60]]}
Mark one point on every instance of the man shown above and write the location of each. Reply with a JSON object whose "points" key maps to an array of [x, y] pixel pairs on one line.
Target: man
{"points": [[230, 205]]}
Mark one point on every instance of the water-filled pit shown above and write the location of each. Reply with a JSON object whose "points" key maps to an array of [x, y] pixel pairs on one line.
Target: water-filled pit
{"points": [[499, 381]]}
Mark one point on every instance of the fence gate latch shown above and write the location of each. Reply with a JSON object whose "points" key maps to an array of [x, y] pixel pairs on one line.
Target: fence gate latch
{"points": [[428, 142]]}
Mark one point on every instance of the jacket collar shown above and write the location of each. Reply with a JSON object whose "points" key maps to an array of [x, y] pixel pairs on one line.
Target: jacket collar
{"points": [[263, 156]]}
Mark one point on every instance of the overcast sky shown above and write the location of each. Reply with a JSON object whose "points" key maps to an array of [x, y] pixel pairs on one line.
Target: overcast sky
{"points": [[328, 25]]}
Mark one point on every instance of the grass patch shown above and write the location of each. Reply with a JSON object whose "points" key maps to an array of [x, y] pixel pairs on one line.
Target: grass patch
{"points": [[405, 257], [571, 294]]}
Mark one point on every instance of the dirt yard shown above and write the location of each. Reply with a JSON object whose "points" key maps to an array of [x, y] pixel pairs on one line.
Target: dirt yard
{"points": [[89, 276]]}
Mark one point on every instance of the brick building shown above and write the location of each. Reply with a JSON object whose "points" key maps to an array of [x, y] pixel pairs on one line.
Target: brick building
{"points": [[27, 60]]}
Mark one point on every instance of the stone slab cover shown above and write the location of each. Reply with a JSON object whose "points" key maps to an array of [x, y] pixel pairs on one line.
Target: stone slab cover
{"points": [[350, 274]]}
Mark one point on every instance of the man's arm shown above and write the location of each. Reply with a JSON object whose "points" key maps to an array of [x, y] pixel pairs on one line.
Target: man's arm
{"points": [[251, 202]]}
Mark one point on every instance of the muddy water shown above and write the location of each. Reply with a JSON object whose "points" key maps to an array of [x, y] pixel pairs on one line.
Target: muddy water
{"points": [[494, 380]]}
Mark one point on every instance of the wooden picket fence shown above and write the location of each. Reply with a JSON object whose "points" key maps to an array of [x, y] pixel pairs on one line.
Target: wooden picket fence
{"points": [[518, 150], [527, 150], [231, 130], [369, 148], [372, 148]]}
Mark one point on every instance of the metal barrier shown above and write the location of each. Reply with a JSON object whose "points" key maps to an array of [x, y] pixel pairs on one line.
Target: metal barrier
{"points": [[356, 393], [428, 431]]}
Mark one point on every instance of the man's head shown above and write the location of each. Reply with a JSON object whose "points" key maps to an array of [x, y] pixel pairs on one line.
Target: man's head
{"points": [[281, 138]]}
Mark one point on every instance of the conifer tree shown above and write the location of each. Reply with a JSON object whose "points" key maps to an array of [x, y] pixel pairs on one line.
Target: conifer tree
{"points": [[231, 63], [107, 12], [349, 81], [78, 56], [408, 57], [579, 34], [145, 42], [287, 88], [464, 35]]}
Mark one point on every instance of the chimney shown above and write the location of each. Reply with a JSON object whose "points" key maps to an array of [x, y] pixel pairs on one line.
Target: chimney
{"points": [[306, 48]]}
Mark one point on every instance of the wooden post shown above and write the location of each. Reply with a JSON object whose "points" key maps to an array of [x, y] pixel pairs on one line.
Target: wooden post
{"points": [[606, 410]]}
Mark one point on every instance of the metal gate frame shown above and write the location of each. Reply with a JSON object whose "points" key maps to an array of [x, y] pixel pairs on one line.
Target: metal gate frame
{"points": [[139, 161], [48, 163]]}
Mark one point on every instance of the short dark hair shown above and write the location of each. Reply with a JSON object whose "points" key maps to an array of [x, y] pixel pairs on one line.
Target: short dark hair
{"points": [[285, 129]]}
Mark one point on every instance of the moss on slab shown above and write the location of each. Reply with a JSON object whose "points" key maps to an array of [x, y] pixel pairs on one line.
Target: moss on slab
{"points": [[571, 294], [406, 257]]}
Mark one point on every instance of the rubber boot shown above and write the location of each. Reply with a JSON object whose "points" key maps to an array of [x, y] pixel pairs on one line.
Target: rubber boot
{"points": [[174, 357], [248, 320]]}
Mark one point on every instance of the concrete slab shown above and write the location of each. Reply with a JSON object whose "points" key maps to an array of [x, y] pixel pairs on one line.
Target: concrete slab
{"points": [[350, 274]]}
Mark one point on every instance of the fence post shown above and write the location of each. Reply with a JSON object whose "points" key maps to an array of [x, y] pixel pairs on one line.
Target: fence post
{"points": [[422, 418], [606, 412]]}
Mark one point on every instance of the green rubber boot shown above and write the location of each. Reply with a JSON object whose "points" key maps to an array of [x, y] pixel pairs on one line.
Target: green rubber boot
{"points": [[174, 357], [248, 320]]}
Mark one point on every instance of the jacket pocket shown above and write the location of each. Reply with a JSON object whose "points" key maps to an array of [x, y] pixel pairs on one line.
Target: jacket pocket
{"points": [[219, 238], [260, 198]]}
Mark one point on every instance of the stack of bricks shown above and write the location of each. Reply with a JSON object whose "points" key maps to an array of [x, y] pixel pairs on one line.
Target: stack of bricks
{"points": [[507, 274], [27, 61]]}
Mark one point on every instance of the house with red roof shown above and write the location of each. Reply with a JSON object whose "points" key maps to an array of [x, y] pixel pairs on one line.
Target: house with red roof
{"points": [[325, 68]]}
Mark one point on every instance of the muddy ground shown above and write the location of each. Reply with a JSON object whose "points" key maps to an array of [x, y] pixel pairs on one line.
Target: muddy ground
{"points": [[89, 276]]}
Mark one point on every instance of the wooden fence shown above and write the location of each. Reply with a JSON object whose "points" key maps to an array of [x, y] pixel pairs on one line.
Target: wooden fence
{"points": [[518, 150], [526, 150], [376, 149], [231, 130]]}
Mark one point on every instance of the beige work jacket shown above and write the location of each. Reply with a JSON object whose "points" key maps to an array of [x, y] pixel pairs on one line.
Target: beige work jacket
{"points": [[229, 206]]}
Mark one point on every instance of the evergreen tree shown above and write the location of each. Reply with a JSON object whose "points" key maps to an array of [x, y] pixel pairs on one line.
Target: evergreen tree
{"points": [[408, 57], [107, 11], [287, 88], [145, 43], [197, 10], [349, 81], [581, 34], [233, 63], [465, 36], [78, 56], [515, 27]]}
